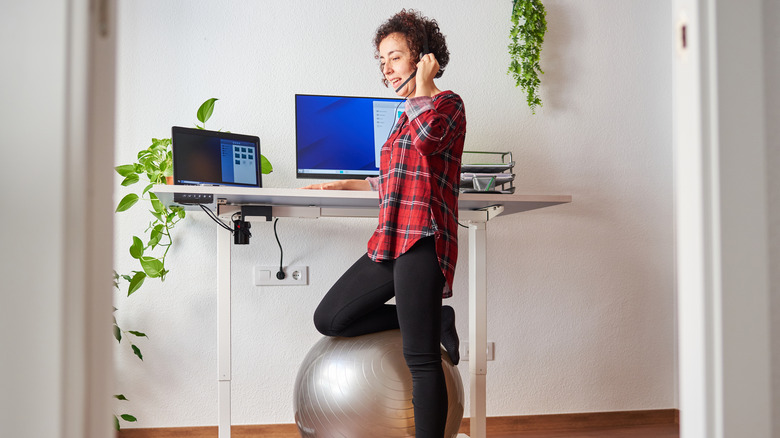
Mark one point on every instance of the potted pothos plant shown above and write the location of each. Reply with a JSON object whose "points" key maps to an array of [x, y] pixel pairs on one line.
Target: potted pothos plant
{"points": [[529, 24], [154, 165]]}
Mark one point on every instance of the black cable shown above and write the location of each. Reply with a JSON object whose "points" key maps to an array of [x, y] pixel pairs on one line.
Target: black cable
{"points": [[280, 275], [214, 217], [396, 112]]}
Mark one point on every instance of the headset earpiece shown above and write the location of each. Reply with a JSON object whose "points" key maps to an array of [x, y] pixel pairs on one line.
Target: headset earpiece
{"points": [[425, 49]]}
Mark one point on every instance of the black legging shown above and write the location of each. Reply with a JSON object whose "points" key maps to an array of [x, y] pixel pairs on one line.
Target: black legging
{"points": [[355, 306]]}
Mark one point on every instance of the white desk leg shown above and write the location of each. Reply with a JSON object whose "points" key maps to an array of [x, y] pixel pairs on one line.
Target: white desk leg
{"points": [[477, 328], [223, 331]]}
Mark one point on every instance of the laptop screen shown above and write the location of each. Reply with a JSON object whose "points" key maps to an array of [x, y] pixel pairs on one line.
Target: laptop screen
{"points": [[340, 136], [203, 157]]}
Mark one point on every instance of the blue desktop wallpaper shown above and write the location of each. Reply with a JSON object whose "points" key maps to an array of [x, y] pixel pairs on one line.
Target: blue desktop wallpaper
{"points": [[336, 133]]}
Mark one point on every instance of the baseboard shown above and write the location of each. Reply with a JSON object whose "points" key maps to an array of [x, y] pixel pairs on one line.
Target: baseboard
{"points": [[253, 431], [495, 425], [577, 421]]}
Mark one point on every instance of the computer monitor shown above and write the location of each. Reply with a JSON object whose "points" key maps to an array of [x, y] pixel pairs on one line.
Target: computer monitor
{"points": [[339, 137]]}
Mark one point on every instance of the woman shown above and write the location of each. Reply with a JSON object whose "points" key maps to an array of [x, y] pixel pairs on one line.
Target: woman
{"points": [[412, 254]]}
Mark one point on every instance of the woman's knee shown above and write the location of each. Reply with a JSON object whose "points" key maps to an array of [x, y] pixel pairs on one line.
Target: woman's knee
{"points": [[323, 322]]}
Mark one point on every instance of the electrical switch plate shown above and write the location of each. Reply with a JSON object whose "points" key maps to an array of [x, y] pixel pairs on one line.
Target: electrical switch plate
{"points": [[294, 276], [490, 351]]}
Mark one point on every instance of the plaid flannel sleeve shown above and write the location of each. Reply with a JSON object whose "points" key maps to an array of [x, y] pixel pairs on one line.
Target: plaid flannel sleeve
{"points": [[373, 181], [433, 122]]}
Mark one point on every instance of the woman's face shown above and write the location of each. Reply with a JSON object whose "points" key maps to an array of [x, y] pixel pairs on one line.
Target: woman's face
{"points": [[396, 62]]}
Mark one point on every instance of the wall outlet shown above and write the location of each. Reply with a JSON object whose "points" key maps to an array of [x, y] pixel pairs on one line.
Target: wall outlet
{"points": [[490, 351], [294, 276]]}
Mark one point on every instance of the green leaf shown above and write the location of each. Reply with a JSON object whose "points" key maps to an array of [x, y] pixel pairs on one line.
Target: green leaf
{"points": [[127, 202], [157, 216], [147, 188], [156, 204], [152, 266], [125, 169], [137, 352], [205, 110], [161, 142], [139, 334], [155, 176], [137, 248], [116, 423], [155, 235], [136, 282], [130, 179], [128, 417], [265, 165], [120, 397], [117, 333]]}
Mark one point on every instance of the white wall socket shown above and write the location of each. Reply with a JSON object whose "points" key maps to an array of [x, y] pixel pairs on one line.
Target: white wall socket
{"points": [[490, 351], [294, 276]]}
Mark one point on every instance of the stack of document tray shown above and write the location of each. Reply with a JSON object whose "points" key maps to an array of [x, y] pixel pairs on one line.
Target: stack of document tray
{"points": [[492, 174]]}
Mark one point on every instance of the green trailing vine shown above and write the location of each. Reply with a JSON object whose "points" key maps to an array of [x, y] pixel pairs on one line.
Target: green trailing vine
{"points": [[529, 24], [154, 165]]}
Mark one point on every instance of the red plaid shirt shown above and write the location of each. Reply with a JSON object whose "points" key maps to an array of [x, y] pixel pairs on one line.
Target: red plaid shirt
{"points": [[419, 176]]}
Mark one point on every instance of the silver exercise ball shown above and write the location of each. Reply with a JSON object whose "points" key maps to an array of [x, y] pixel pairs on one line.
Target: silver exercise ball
{"points": [[361, 387]]}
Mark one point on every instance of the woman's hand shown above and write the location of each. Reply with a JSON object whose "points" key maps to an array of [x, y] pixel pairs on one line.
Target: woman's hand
{"points": [[344, 184], [426, 71]]}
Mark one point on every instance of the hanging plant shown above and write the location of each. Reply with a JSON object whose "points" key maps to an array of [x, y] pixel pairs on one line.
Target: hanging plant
{"points": [[529, 24]]}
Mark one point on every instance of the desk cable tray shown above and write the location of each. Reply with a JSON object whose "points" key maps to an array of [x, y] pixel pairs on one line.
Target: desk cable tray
{"points": [[495, 177]]}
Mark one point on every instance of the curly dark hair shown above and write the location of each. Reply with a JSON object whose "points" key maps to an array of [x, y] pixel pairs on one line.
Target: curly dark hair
{"points": [[417, 29]]}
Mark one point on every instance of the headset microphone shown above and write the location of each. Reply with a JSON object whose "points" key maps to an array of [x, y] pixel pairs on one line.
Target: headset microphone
{"points": [[411, 76]]}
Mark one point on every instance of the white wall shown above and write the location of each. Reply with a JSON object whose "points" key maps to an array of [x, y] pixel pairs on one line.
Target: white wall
{"points": [[581, 296]]}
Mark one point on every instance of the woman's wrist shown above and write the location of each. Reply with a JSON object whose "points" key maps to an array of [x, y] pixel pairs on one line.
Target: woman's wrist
{"points": [[358, 184]]}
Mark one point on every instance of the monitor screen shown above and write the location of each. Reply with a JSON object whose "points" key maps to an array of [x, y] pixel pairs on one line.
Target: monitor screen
{"points": [[203, 157], [339, 137]]}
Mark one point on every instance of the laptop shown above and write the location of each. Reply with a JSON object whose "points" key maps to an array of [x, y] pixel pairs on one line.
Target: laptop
{"points": [[212, 158]]}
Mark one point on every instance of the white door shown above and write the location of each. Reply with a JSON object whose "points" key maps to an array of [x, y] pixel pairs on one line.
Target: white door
{"points": [[723, 293], [56, 125]]}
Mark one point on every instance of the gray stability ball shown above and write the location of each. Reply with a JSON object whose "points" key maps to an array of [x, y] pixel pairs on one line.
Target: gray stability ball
{"points": [[361, 387]]}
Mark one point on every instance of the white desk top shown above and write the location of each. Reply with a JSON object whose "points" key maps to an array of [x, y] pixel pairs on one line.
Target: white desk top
{"points": [[514, 203]]}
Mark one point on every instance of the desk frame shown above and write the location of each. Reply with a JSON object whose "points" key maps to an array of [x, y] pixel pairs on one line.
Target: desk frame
{"points": [[475, 209]]}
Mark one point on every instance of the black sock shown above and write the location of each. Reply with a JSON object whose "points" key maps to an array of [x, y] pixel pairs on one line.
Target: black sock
{"points": [[449, 335]]}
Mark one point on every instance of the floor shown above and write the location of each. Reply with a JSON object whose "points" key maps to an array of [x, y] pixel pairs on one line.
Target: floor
{"points": [[654, 431]]}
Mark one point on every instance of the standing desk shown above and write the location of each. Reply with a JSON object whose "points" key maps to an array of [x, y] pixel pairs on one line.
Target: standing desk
{"points": [[475, 209]]}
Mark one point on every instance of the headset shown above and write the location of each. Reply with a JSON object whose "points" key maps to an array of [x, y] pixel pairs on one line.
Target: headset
{"points": [[424, 52]]}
